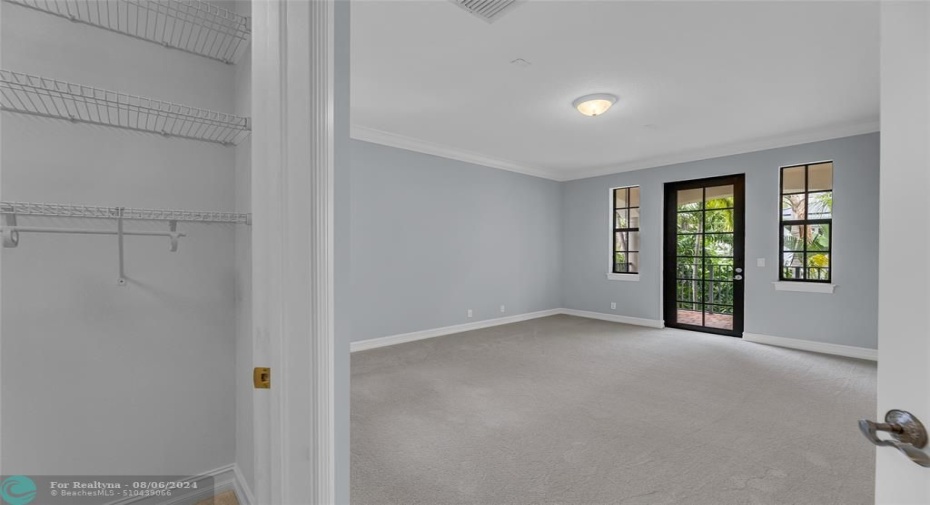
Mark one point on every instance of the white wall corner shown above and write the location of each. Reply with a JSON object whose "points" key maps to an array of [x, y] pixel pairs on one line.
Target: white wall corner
{"points": [[813, 346]]}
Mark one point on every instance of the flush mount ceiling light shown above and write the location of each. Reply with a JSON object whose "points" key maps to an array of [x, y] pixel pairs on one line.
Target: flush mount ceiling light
{"points": [[594, 105]]}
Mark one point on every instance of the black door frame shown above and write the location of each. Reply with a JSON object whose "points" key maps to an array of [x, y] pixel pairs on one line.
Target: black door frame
{"points": [[670, 251]]}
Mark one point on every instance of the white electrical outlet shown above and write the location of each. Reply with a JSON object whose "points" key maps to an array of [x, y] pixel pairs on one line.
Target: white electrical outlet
{"points": [[760, 262], [469, 313], [613, 305], [503, 309]]}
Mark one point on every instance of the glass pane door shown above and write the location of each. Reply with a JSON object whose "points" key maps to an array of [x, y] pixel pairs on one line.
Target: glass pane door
{"points": [[704, 267]]}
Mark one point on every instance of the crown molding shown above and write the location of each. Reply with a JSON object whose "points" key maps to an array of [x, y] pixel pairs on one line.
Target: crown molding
{"points": [[759, 144], [422, 146]]}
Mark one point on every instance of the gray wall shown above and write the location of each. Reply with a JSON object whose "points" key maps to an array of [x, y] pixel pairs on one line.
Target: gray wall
{"points": [[433, 237], [849, 316]]}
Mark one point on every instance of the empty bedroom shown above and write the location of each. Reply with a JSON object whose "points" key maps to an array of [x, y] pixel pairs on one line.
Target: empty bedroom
{"points": [[615, 252]]}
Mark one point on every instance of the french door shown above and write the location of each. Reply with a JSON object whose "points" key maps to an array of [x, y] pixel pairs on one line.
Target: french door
{"points": [[704, 268]]}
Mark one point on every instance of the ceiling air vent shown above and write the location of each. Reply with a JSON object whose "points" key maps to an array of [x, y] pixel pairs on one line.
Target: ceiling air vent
{"points": [[488, 10]]}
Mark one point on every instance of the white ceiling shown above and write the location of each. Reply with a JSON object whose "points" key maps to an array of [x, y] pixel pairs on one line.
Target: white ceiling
{"points": [[695, 80]]}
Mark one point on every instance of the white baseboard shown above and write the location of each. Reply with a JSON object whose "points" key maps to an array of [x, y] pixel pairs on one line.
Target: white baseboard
{"points": [[791, 343], [374, 343], [225, 478], [243, 491], [364, 345], [808, 345], [651, 323]]}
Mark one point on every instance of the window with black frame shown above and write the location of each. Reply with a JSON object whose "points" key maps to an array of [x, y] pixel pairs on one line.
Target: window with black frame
{"points": [[626, 230], [806, 235]]}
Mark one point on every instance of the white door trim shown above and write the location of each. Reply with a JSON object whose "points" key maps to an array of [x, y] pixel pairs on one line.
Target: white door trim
{"points": [[904, 242], [1, 276], [292, 271]]}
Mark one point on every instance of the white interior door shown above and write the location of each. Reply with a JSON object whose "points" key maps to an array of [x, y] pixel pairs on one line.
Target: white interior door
{"points": [[904, 257]]}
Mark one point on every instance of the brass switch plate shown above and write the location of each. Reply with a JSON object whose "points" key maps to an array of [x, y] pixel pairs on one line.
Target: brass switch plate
{"points": [[262, 377]]}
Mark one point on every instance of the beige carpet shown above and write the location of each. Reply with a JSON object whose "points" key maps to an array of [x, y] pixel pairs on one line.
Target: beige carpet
{"points": [[575, 411]]}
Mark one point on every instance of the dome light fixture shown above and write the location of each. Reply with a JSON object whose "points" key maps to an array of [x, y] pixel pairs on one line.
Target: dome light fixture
{"points": [[594, 105]]}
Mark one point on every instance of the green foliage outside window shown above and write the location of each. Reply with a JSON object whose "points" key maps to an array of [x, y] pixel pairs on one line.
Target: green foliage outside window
{"points": [[705, 254]]}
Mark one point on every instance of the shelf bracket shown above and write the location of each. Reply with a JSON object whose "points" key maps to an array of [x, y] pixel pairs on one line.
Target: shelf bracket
{"points": [[10, 235], [119, 234], [173, 235]]}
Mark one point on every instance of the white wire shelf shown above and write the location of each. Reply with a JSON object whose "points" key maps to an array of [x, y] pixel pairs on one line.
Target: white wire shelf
{"points": [[39, 96], [192, 26], [95, 212]]}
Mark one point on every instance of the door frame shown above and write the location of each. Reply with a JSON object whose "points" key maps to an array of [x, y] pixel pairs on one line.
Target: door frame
{"points": [[903, 347], [670, 248], [293, 185]]}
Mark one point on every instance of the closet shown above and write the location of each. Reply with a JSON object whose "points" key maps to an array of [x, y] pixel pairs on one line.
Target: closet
{"points": [[124, 214]]}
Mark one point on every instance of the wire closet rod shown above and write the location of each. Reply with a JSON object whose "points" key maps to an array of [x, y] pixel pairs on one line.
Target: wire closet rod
{"points": [[192, 26], [44, 97], [11, 230]]}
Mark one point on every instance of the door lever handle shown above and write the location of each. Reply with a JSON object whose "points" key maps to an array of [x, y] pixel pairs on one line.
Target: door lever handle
{"points": [[908, 435]]}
